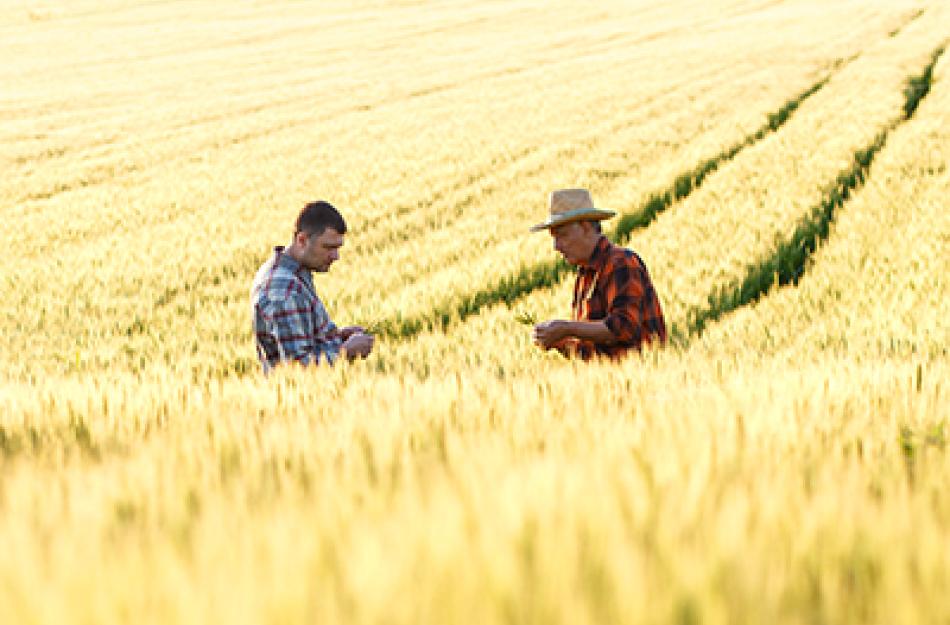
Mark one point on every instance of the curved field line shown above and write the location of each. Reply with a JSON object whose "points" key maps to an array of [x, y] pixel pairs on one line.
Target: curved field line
{"points": [[114, 172], [483, 179], [485, 184], [789, 261], [370, 240], [545, 274]]}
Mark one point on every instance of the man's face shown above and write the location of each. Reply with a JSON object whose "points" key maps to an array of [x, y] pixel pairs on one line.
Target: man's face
{"points": [[574, 241], [319, 251]]}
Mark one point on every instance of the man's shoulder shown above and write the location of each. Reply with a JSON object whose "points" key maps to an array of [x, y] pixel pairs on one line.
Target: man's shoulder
{"points": [[275, 282], [620, 256]]}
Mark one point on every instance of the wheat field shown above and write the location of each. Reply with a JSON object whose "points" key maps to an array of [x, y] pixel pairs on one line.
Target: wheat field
{"points": [[781, 167]]}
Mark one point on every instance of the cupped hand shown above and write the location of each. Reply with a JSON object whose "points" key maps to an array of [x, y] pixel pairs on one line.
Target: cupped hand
{"points": [[548, 333], [358, 345]]}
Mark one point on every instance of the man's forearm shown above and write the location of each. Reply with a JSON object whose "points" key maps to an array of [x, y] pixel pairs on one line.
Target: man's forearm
{"points": [[596, 331]]}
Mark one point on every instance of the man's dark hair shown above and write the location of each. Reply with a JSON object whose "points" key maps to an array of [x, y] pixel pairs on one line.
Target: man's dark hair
{"points": [[316, 217], [597, 227]]}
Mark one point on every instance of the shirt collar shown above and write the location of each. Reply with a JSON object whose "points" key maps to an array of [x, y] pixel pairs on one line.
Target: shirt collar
{"points": [[285, 260]]}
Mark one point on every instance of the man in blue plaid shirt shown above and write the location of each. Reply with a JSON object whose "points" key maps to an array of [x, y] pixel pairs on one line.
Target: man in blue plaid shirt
{"points": [[290, 321]]}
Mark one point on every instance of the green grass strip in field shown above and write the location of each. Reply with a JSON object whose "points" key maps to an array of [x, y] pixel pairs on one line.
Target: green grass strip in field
{"points": [[540, 275], [788, 263]]}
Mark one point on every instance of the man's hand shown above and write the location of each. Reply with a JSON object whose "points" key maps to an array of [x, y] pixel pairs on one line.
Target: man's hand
{"points": [[358, 345], [349, 331], [549, 333]]}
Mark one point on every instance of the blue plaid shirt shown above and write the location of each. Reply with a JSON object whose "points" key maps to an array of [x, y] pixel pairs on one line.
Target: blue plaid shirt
{"points": [[290, 321]]}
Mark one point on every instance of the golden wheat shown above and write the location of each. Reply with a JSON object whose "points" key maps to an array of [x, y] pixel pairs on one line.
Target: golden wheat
{"points": [[785, 465]]}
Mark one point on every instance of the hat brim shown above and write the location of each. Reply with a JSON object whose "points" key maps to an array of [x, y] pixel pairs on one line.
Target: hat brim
{"points": [[579, 214]]}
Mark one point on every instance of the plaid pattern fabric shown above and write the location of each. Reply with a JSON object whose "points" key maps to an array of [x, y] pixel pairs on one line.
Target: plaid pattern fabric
{"points": [[615, 287], [290, 321]]}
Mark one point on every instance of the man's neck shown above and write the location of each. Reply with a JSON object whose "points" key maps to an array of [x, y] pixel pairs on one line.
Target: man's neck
{"points": [[294, 254], [593, 250]]}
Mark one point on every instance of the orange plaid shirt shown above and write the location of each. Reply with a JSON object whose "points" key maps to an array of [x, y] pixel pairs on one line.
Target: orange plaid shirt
{"points": [[615, 287]]}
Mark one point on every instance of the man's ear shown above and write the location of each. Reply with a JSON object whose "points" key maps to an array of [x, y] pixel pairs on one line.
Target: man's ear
{"points": [[300, 238]]}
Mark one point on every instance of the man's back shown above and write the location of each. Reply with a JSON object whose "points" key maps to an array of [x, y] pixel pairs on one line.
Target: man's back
{"points": [[290, 321], [616, 288]]}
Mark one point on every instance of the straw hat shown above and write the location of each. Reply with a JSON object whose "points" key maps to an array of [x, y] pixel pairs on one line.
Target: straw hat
{"points": [[569, 205]]}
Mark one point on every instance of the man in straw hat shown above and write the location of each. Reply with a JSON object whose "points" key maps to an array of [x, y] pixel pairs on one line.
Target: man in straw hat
{"points": [[615, 307]]}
